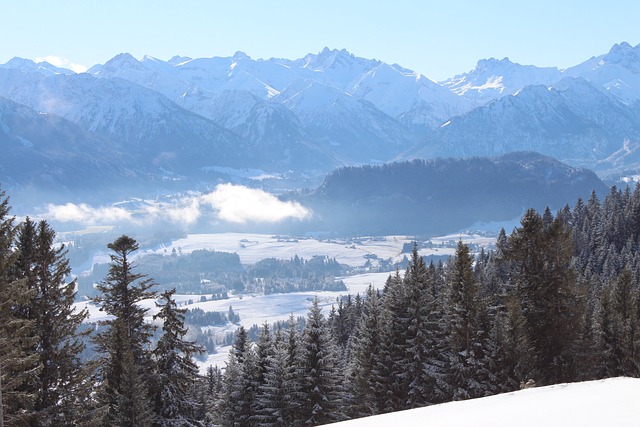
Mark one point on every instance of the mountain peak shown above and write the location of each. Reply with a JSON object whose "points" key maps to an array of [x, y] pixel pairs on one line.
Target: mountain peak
{"points": [[177, 59], [625, 55], [122, 61], [328, 58], [240, 55], [29, 66]]}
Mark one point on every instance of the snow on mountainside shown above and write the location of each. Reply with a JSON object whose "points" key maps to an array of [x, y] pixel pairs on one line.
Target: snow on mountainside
{"points": [[181, 117], [28, 66], [611, 402], [412, 98], [366, 79], [354, 129], [492, 79], [48, 153], [618, 72], [579, 124]]}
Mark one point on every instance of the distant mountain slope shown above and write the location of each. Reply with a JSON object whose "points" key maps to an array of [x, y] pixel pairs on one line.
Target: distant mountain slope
{"points": [[46, 154], [577, 123], [617, 72], [445, 195], [493, 79]]}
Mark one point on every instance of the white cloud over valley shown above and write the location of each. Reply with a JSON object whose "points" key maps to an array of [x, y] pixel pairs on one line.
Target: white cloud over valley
{"points": [[239, 204], [87, 214], [230, 203]]}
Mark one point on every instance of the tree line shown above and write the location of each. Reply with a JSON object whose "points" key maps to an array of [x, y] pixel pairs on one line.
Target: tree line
{"points": [[43, 381], [556, 301]]}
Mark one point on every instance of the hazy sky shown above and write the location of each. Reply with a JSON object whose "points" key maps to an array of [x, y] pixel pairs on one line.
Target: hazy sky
{"points": [[436, 38]]}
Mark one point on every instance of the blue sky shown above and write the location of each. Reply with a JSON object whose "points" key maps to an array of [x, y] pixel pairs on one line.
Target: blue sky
{"points": [[436, 38]]}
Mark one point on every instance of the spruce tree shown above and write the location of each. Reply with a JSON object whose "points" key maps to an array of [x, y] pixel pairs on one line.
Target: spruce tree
{"points": [[123, 342], [19, 364], [545, 282], [364, 348], [61, 388], [271, 399], [238, 394], [321, 380], [468, 342], [176, 373]]}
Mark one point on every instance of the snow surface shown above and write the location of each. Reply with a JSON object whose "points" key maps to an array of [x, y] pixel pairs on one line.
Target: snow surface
{"points": [[252, 248], [611, 402]]}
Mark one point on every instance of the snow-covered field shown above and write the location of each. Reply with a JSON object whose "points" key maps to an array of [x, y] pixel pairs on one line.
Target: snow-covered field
{"points": [[251, 248], [354, 252], [258, 309], [611, 402]]}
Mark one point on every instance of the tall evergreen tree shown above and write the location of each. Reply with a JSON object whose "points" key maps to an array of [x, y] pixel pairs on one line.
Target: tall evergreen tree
{"points": [[469, 374], [126, 363], [271, 399], [238, 394], [424, 364], [546, 287], [364, 345], [19, 364], [176, 373], [61, 388], [321, 380]]}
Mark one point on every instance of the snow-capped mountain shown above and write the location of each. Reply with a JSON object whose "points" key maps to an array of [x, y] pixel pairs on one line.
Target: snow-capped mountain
{"points": [[183, 118], [153, 129], [578, 124], [408, 96], [617, 72], [47, 154], [354, 129], [397, 92], [493, 79], [29, 66]]}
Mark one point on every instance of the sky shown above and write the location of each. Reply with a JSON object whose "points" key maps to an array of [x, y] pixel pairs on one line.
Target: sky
{"points": [[438, 39]]}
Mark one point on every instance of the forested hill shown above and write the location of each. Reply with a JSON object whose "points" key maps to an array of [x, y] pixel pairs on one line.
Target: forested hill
{"points": [[443, 195]]}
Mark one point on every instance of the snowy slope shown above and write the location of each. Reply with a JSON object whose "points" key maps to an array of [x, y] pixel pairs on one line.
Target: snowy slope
{"points": [[493, 79], [612, 402], [29, 66], [577, 123], [408, 96], [617, 72], [355, 130]]}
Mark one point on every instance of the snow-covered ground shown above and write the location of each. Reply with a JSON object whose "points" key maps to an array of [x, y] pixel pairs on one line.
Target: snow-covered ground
{"points": [[258, 309], [353, 252], [251, 248], [612, 402]]}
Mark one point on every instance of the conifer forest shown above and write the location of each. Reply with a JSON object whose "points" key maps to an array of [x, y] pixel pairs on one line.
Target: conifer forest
{"points": [[558, 300]]}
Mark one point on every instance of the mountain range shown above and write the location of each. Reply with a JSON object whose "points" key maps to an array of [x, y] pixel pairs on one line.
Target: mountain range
{"points": [[191, 123]]}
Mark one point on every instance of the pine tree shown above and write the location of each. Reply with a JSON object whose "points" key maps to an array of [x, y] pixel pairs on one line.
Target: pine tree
{"points": [[238, 395], [364, 400], [391, 369], [271, 400], [19, 364], [546, 287], [423, 367], [61, 388], [321, 380], [468, 347], [126, 363], [293, 394], [176, 373]]}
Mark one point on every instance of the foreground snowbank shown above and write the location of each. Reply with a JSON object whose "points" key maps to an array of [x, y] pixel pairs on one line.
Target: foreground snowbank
{"points": [[612, 402]]}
